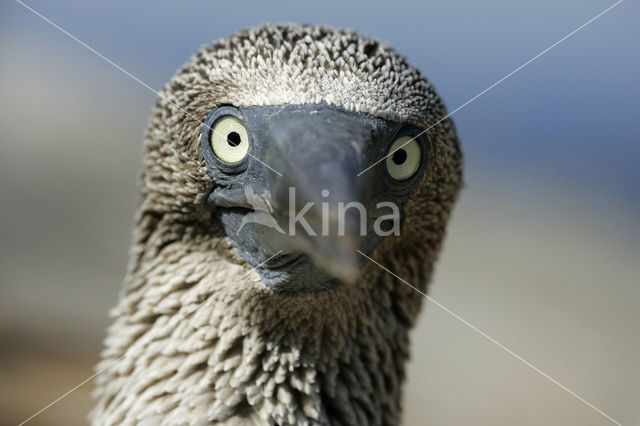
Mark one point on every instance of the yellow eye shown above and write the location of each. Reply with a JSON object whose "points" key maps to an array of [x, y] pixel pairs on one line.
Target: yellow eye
{"points": [[404, 158], [229, 140]]}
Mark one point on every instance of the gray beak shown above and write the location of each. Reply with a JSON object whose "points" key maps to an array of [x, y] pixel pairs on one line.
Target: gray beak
{"points": [[319, 199], [298, 193]]}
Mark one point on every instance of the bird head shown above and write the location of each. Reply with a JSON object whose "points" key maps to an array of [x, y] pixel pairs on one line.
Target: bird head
{"points": [[274, 162], [301, 149]]}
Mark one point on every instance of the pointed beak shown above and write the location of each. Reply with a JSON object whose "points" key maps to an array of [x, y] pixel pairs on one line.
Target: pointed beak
{"points": [[301, 190], [319, 193]]}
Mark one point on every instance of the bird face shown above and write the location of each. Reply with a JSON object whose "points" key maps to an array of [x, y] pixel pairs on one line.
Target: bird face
{"points": [[261, 145], [287, 179]]}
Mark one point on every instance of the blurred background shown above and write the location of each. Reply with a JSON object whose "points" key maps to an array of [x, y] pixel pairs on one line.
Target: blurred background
{"points": [[543, 251]]}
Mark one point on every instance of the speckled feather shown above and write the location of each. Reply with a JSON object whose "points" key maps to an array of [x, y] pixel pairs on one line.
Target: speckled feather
{"points": [[249, 355]]}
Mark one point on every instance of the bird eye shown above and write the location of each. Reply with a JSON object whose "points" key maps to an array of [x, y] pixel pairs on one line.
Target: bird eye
{"points": [[404, 158], [229, 140]]}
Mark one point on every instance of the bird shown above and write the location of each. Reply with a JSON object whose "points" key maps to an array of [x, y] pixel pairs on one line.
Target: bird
{"points": [[220, 325]]}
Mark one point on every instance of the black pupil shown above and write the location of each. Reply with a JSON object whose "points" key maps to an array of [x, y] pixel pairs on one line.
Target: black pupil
{"points": [[233, 139], [399, 157]]}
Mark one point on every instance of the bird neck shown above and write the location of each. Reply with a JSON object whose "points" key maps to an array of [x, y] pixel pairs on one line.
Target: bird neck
{"points": [[197, 336]]}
